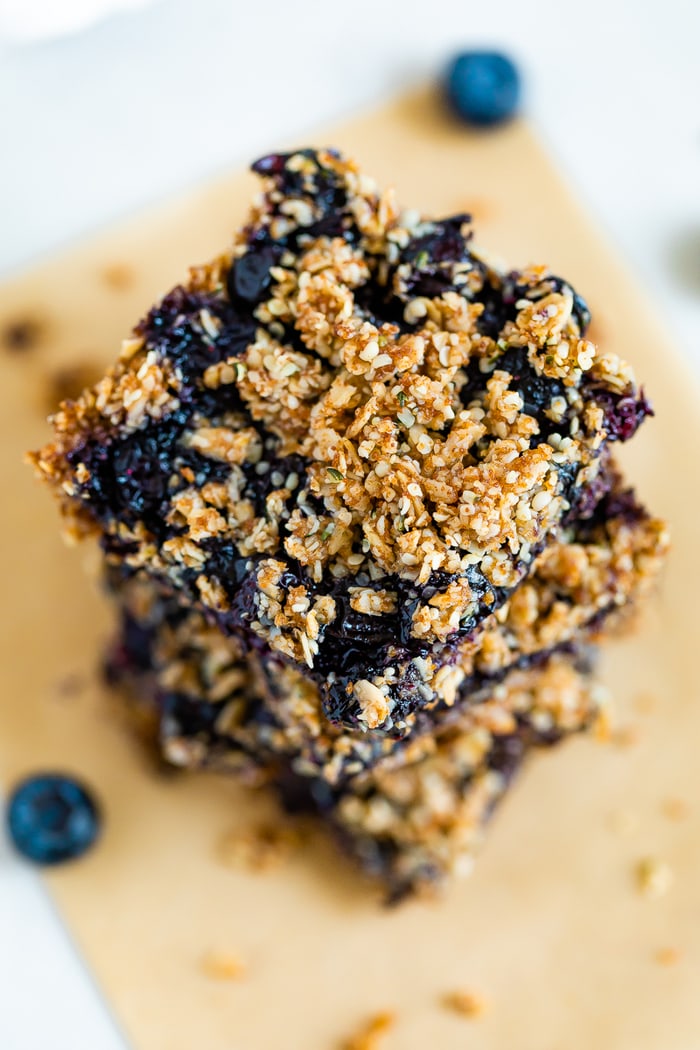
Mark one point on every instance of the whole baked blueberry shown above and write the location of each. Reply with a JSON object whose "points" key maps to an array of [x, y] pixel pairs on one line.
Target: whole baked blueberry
{"points": [[52, 818], [483, 87]]}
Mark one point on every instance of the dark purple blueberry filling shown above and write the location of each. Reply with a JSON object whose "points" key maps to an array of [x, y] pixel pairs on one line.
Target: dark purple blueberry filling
{"points": [[249, 277], [188, 716], [537, 391], [259, 484], [618, 505], [132, 477], [323, 187], [623, 414], [175, 330], [433, 257]]}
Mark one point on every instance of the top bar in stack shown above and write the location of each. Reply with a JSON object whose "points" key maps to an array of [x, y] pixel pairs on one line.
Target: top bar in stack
{"points": [[348, 439]]}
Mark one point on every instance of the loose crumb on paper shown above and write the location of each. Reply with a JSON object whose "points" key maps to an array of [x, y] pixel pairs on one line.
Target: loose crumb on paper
{"points": [[646, 703], [626, 736], [654, 877], [602, 727], [70, 685], [223, 966], [624, 822], [466, 1003], [260, 848], [370, 1036], [675, 808], [119, 276]]}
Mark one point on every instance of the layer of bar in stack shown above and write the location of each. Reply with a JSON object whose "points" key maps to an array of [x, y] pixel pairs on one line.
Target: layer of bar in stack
{"points": [[413, 818], [579, 587], [347, 439]]}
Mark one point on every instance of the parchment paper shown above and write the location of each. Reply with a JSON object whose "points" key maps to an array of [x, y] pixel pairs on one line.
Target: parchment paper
{"points": [[551, 928]]}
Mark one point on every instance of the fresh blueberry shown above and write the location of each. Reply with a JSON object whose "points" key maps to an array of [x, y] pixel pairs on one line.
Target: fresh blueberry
{"points": [[52, 818], [483, 87]]}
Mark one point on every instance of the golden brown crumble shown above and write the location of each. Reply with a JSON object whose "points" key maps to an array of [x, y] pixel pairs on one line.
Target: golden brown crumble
{"points": [[406, 478]]}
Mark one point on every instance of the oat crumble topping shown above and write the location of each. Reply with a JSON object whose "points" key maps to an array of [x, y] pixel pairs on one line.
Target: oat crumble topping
{"points": [[348, 432]]}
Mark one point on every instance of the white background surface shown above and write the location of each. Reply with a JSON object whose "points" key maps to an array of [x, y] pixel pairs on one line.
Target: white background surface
{"points": [[148, 102]]}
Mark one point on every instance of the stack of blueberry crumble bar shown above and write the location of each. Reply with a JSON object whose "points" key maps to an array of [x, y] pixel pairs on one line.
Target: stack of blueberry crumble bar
{"points": [[360, 516]]}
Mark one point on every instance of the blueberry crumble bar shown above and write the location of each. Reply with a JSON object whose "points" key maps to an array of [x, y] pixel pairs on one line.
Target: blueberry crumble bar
{"points": [[409, 821], [354, 490], [221, 705]]}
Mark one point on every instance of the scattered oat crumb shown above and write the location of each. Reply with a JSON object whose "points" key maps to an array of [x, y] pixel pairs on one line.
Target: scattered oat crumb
{"points": [[645, 703], [667, 956], [118, 276], [469, 1004], [70, 685], [626, 736], [222, 966], [654, 877], [260, 848], [372, 1032], [674, 808], [624, 822], [602, 728], [21, 335]]}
